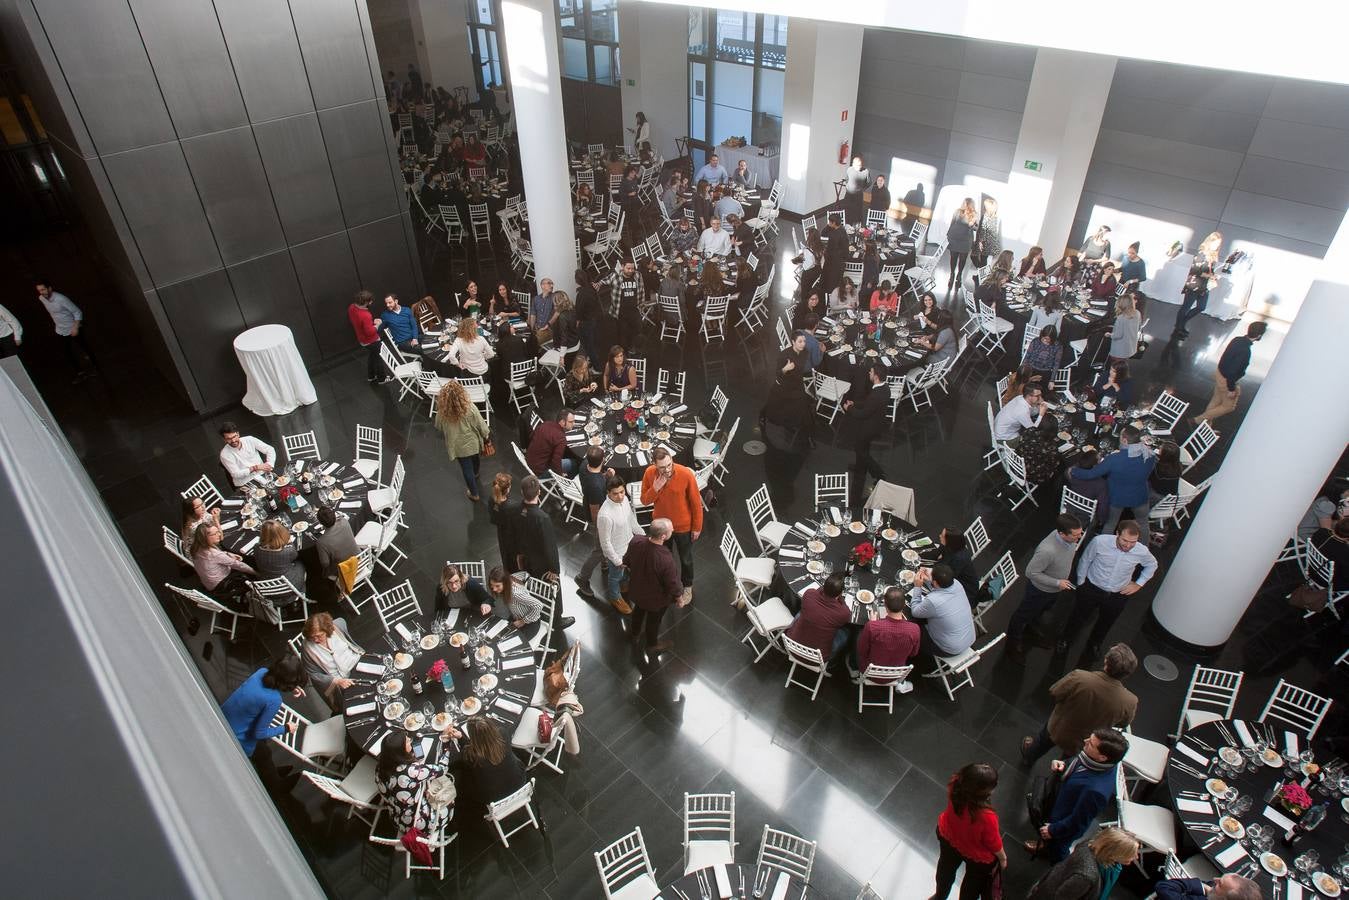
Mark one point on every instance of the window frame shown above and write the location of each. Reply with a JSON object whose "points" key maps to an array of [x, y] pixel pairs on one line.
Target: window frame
{"points": [[709, 57], [582, 12]]}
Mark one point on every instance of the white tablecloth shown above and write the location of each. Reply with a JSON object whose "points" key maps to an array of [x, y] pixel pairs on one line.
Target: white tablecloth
{"points": [[1226, 300], [277, 379], [766, 166]]}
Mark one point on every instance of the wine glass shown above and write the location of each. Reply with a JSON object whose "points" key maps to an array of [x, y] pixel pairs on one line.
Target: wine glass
{"points": [[387, 661], [1308, 862]]}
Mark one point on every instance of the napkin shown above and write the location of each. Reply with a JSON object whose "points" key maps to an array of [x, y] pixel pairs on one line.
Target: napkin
{"points": [[493, 630], [248, 548], [353, 483], [370, 668], [1294, 890], [1243, 733], [684, 429], [226, 526], [509, 705], [1082, 319], [427, 744], [916, 354], [814, 585], [350, 504], [299, 466], [1195, 806], [231, 502], [677, 410], [510, 643], [667, 447], [599, 404], [1230, 855], [403, 631], [852, 358], [723, 881], [642, 458], [1192, 754], [1290, 743], [518, 662], [452, 618], [804, 529], [361, 708], [1278, 818], [837, 352], [580, 417], [835, 516], [791, 553], [329, 469], [780, 889], [1064, 448]]}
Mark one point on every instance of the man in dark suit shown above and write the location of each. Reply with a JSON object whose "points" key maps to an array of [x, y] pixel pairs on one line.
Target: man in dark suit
{"points": [[538, 543], [835, 253], [864, 421], [653, 584]]}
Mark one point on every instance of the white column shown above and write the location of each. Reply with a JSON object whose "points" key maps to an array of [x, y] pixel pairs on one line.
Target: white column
{"points": [[1286, 446], [443, 51], [653, 39], [819, 107], [529, 30], [1064, 105]]}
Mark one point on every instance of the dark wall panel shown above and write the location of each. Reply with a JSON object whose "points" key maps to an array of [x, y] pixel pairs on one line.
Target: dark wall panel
{"points": [[297, 168], [382, 258], [183, 37], [229, 177], [268, 291], [354, 136], [206, 320], [156, 193], [334, 51], [266, 55], [328, 281], [104, 62]]}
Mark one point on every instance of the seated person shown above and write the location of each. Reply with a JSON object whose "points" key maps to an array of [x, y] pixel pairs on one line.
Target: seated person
{"points": [[329, 655], [1039, 450], [470, 351], [515, 606], [1103, 284], [1023, 376], [727, 206], [194, 516], [955, 552], [845, 296], [336, 545], [940, 601], [943, 344], [221, 573], [742, 176], [619, 374], [401, 325], [1116, 382], [683, 239], [458, 591], [581, 383], [245, 457], [1045, 353], [1047, 313], [277, 556], [742, 236], [714, 241], [547, 453], [1092, 488], [488, 769], [991, 291], [885, 298], [823, 620], [504, 302], [812, 306], [1334, 544], [1032, 264], [891, 639], [1020, 412], [1225, 887], [401, 778]]}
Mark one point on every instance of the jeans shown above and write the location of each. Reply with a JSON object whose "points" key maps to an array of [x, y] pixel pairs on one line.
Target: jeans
{"points": [[569, 466], [1033, 603], [648, 621], [470, 466], [1140, 511], [683, 548], [978, 880], [1191, 306], [374, 366], [613, 580], [1091, 599]]}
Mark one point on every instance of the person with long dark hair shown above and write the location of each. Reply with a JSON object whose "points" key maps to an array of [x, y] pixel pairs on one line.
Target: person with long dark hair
{"points": [[488, 770], [251, 708], [194, 516], [504, 511], [968, 834], [401, 781]]}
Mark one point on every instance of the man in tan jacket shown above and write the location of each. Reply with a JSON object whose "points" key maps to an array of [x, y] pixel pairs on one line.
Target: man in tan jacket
{"points": [[1083, 701]]}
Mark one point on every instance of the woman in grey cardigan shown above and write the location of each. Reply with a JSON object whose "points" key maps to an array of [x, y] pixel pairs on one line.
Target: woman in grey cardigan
{"points": [[1124, 335], [1091, 870], [329, 656]]}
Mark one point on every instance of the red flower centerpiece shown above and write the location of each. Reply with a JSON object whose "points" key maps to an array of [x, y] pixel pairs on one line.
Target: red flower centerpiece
{"points": [[864, 553], [630, 416], [287, 492], [438, 668], [1294, 799]]}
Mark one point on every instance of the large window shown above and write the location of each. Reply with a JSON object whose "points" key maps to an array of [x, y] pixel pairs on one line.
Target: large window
{"points": [[483, 16], [736, 66], [589, 34]]}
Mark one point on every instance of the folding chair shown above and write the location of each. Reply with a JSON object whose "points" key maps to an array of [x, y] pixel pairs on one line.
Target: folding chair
{"points": [[784, 337], [787, 853], [526, 738], [369, 459], [202, 487], [1015, 467], [672, 318], [365, 570], [897, 385], [718, 403], [217, 609], [751, 573], [1145, 760], [1154, 826], [573, 501], [430, 385], [1212, 695], [954, 671], [831, 489], [709, 831], [1080, 505], [1166, 412], [499, 810], [300, 446], [276, 597], [889, 679], [829, 393], [1300, 711], [1061, 383], [174, 544], [976, 535], [319, 744], [379, 537], [762, 517], [767, 620], [1200, 441], [808, 658], [357, 789], [397, 604], [404, 372], [671, 387], [999, 578], [479, 218], [875, 218], [519, 383], [1318, 570], [625, 869], [714, 317], [454, 226], [383, 499]]}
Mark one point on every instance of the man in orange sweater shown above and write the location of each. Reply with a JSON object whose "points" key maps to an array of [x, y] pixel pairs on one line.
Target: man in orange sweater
{"points": [[672, 491]]}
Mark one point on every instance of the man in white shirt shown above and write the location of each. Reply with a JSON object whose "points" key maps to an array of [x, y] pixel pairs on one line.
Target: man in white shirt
{"points": [[68, 320], [244, 457], [617, 526], [940, 600], [1020, 412], [1105, 582], [11, 333], [713, 241]]}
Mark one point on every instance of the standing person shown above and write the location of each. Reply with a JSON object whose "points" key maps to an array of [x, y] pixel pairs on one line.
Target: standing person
{"points": [[594, 480], [251, 708], [539, 544], [1124, 333], [366, 327], [856, 182], [671, 490], [865, 421], [616, 526], [787, 421], [888, 640], [960, 238], [1091, 871], [401, 325], [1097, 247], [1105, 582], [988, 233], [1085, 700], [1088, 785], [11, 333], [823, 620], [588, 312], [812, 262], [542, 312], [625, 294], [968, 833], [641, 133], [1202, 278], [1231, 369], [1133, 271], [880, 195], [244, 457], [414, 82], [653, 584], [916, 200], [466, 434], [1047, 576], [1126, 474], [68, 321], [505, 512], [835, 253]]}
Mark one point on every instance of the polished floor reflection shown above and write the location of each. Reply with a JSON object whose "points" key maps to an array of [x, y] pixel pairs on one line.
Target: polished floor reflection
{"points": [[703, 718]]}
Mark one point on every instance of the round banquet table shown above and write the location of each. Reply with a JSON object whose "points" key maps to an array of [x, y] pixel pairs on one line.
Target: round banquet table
{"points": [[895, 247], [436, 347], [1255, 780], [601, 423], [852, 340], [320, 483], [277, 380], [1084, 424], [379, 687], [804, 564], [741, 878], [1080, 313]]}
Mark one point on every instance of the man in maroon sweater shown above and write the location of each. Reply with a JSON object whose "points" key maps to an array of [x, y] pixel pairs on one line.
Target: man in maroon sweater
{"points": [[548, 447], [653, 583], [891, 639], [823, 620]]}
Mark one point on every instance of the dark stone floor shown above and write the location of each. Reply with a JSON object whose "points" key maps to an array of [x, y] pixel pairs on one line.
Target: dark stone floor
{"points": [[867, 787]]}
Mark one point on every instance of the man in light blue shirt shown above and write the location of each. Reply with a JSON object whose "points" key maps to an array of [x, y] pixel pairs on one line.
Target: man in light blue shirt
{"points": [[939, 599], [1105, 582], [729, 206], [401, 324], [541, 307], [712, 172], [68, 319]]}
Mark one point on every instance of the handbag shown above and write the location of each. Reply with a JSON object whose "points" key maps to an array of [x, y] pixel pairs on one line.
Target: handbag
{"points": [[544, 334], [1044, 790], [1308, 597], [441, 792], [545, 726], [489, 448]]}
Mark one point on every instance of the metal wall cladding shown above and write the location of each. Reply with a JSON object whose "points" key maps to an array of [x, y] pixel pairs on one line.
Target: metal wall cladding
{"points": [[382, 257], [301, 181], [268, 290], [156, 193], [206, 319], [328, 281], [335, 53], [103, 60], [33, 56], [188, 52], [266, 56], [229, 177], [355, 138]]}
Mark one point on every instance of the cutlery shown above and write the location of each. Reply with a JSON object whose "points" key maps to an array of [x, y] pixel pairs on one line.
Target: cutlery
{"points": [[1211, 841], [1192, 794], [1194, 740]]}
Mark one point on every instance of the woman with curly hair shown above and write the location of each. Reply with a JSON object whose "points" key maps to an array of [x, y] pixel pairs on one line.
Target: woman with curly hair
{"points": [[470, 350], [465, 432]]}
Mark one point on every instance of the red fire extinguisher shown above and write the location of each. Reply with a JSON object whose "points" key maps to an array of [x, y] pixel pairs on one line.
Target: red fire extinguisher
{"points": [[843, 158]]}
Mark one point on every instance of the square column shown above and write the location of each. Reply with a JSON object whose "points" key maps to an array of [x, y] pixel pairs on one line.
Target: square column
{"points": [[819, 106], [444, 54], [653, 39]]}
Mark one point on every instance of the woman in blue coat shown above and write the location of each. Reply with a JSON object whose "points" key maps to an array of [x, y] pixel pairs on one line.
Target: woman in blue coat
{"points": [[251, 708]]}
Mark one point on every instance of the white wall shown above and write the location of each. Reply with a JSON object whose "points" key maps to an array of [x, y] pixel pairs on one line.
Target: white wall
{"points": [[653, 41], [823, 63]]}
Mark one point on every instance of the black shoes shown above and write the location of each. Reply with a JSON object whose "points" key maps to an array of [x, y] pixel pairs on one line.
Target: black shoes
{"points": [[583, 588], [566, 622]]}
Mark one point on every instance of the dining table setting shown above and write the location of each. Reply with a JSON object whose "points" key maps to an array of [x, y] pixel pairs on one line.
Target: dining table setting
{"points": [[1256, 802], [739, 882], [852, 339], [1095, 425], [292, 494], [894, 245], [1080, 312], [629, 426]]}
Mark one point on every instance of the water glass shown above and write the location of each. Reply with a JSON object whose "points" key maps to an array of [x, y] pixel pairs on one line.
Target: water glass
{"points": [[387, 661], [1308, 862]]}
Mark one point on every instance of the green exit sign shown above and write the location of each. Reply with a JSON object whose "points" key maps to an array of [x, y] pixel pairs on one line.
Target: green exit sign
{"points": [[632, 83], [1034, 165]]}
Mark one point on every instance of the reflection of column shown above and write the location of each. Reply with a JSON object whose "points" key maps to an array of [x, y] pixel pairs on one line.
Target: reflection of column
{"points": [[529, 29], [1063, 113], [818, 108], [1289, 441], [443, 52]]}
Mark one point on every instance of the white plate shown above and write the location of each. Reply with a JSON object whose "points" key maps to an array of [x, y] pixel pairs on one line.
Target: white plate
{"points": [[1272, 758], [336, 495], [441, 721], [857, 528], [283, 481], [666, 420], [815, 546], [596, 441], [616, 405], [1238, 833], [865, 596], [414, 722], [487, 682], [1273, 864], [471, 705], [1326, 884], [890, 534], [392, 686], [906, 576], [430, 641], [832, 530], [484, 653], [662, 435], [637, 404], [620, 448], [395, 710], [910, 556], [1229, 755], [814, 567], [299, 527], [402, 661]]}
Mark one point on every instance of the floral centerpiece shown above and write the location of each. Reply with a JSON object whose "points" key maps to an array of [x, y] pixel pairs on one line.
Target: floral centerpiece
{"points": [[1294, 799], [735, 140], [630, 416], [864, 553], [867, 232], [437, 670], [286, 492]]}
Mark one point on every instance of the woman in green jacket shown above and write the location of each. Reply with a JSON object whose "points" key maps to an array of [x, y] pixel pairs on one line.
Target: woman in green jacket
{"points": [[465, 431]]}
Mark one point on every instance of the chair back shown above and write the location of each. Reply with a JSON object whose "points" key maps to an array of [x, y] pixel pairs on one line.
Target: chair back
{"points": [[730, 549], [1200, 441], [808, 657], [1300, 710], [472, 568], [830, 488], [709, 817], [976, 535], [807, 223], [397, 604], [715, 307], [760, 508], [202, 487], [1212, 690], [624, 862], [875, 218], [786, 853], [370, 445], [1167, 410], [1062, 380], [784, 337], [884, 676], [1080, 505], [174, 544]]}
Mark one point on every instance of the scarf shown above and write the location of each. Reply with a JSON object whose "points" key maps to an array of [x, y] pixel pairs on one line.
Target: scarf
{"points": [[1109, 875], [1083, 760], [1138, 449]]}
